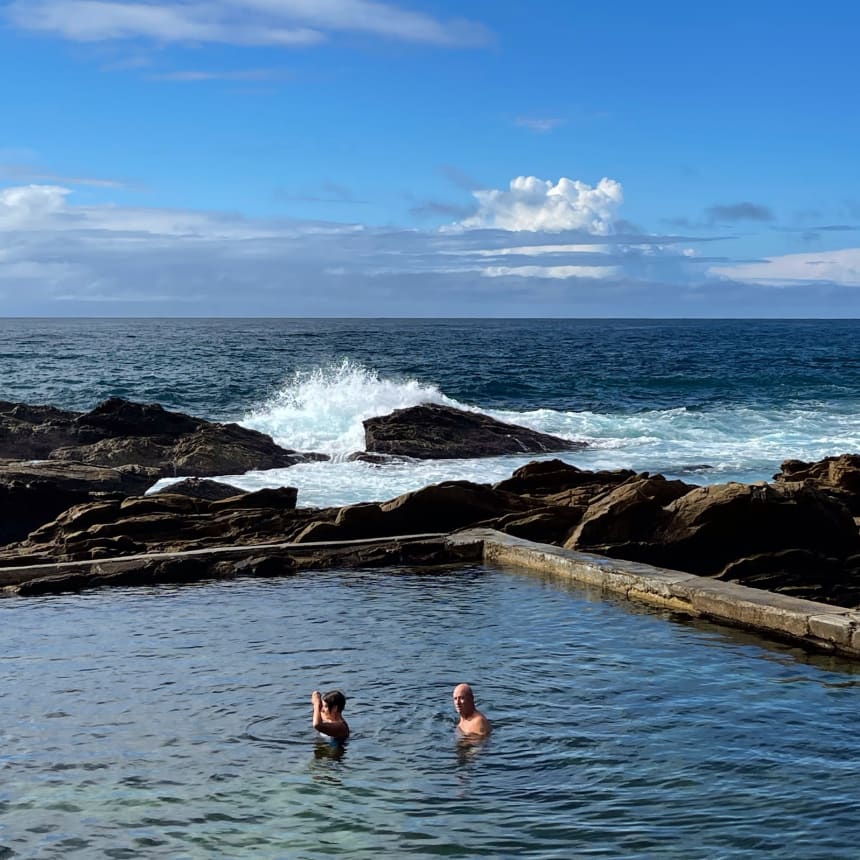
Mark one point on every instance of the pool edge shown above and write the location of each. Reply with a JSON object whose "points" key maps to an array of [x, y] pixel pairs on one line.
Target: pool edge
{"points": [[819, 626]]}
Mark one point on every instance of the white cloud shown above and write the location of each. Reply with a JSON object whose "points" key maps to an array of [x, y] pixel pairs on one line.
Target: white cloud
{"points": [[101, 20], [541, 250], [536, 204], [27, 204], [57, 257], [554, 272], [835, 267], [238, 22], [370, 16]]}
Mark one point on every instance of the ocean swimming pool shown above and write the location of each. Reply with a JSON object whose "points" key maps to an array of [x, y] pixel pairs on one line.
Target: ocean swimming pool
{"points": [[175, 723]]}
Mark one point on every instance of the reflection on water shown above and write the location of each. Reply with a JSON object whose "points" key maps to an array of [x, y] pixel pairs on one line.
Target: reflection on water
{"points": [[174, 723]]}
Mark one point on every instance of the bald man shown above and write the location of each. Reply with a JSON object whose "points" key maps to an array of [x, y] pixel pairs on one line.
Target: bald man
{"points": [[472, 721]]}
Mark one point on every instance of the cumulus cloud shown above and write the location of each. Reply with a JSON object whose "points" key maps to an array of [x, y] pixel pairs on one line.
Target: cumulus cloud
{"points": [[832, 267], [537, 204], [27, 204], [238, 22]]}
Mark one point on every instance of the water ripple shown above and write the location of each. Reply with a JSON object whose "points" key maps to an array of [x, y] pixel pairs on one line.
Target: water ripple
{"points": [[176, 724]]}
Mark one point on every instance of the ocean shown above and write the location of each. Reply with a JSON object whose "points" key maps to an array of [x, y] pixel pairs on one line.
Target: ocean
{"points": [[707, 401]]}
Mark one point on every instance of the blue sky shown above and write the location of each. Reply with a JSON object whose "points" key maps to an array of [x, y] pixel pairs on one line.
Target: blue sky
{"points": [[429, 158]]}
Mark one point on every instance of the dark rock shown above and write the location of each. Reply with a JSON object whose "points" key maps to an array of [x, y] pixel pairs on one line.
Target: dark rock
{"points": [[273, 498], [550, 525], [264, 566], [119, 432], [559, 483], [438, 508], [837, 476], [431, 431], [712, 526], [210, 449], [119, 417], [798, 573], [32, 494], [228, 449], [707, 529], [32, 432], [200, 488], [448, 506], [140, 450], [631, 512], [373, 459], [407, 555], [164, 523]]}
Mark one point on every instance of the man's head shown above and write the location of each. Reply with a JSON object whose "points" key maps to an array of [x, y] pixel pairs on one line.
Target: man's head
{"points": [[334, 700], [464, 700]]}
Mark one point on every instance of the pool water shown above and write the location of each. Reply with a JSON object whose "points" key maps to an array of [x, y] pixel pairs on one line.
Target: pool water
{"points": [[175, 723]]}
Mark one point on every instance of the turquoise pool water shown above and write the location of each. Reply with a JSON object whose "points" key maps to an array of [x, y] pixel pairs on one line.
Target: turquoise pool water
{"points": [[175, 723]]}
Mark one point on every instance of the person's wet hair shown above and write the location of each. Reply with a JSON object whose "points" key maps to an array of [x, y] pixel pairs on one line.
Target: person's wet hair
{"points": [[334, 699]]}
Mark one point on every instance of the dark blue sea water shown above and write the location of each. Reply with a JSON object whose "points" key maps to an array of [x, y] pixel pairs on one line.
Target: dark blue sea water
{"points": [[705, 400]]}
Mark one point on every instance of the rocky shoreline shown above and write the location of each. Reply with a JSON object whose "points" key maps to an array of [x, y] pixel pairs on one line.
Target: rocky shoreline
{"points": [[72, 489]]}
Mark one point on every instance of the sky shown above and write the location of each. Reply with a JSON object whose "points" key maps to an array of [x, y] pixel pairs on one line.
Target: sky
{"points": [[429, 158]]}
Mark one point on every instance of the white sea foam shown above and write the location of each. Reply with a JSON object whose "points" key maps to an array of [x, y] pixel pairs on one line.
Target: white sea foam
{"points": [[322, 410]]}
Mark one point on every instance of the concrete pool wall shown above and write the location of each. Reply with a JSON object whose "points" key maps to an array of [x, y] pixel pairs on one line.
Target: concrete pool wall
{"points": [[813, 625], [816, 625]]}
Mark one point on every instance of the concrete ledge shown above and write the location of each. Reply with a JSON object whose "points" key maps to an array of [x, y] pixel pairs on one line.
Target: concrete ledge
{"points": [[816, 625]]}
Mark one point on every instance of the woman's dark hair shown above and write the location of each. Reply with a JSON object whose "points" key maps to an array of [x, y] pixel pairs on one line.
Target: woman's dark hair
{"points": [[334, 699]]}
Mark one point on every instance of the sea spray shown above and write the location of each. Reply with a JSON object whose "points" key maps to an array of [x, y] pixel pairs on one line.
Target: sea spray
{"points": [[322, 409]]}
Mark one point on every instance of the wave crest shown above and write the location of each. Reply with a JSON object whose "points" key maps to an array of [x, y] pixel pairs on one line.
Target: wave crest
{"points": [[323, 409]]}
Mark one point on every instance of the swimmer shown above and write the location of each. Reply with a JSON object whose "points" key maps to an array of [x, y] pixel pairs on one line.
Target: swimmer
{"points": [[472, 721], [328, 714]]}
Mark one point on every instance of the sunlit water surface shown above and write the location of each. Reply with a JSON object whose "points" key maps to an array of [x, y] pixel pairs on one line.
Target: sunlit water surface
{"points": [[175, 723]]}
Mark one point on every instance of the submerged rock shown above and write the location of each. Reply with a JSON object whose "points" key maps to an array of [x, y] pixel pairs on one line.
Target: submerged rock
{"points": [[432, 431]]}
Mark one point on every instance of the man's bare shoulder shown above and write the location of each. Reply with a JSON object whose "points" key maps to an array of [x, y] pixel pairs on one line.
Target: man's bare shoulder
{"points": [[476, 724]]}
